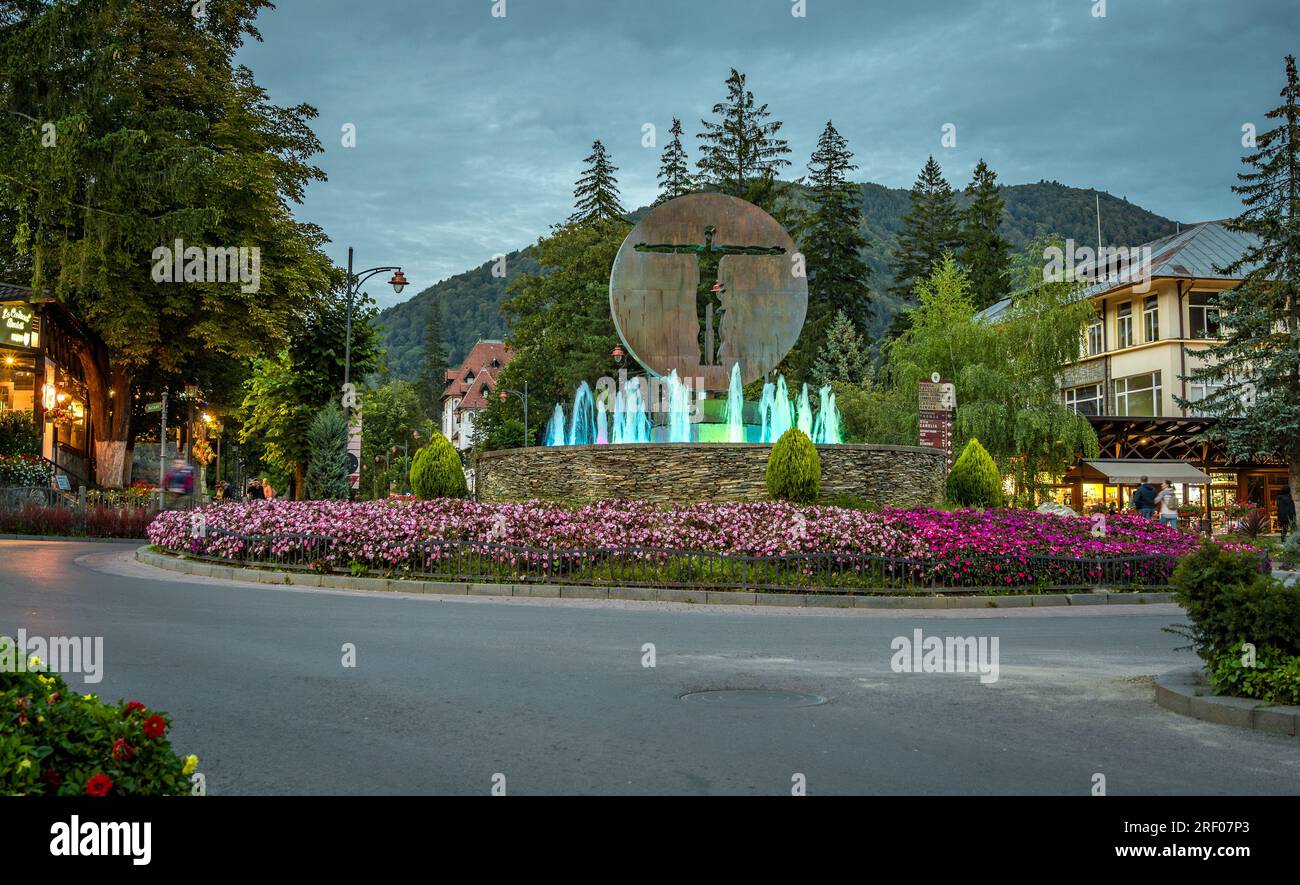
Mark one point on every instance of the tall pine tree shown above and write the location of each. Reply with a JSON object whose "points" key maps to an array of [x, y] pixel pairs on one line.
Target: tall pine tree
{"points": [[985, 253], [595, 196], [843, 357], [1257, 363], [930, 229], [675, 177], [742, 151], [833, 245], [432, 379]]}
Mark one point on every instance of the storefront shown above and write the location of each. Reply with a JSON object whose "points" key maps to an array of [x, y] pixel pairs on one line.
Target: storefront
{"points": [[41, 375], [1164, 448]]}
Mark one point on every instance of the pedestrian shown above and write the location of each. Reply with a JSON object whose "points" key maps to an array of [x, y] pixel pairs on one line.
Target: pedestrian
{"points": [[268, 490], [1167, 498], [1112, 509], [1285, 511], [222, 493], [254, 492], [1144, 499]]}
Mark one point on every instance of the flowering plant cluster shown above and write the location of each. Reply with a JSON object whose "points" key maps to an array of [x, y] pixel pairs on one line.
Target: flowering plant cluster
{"points": [[138, 494], [1239, 509], [60, 416], [202, 451], [54, 741], [386, 534], [23, 470]]}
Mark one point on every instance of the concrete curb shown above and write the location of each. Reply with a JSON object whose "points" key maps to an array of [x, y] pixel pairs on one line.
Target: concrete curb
{"points": [[1186, 692], [645, 594]]}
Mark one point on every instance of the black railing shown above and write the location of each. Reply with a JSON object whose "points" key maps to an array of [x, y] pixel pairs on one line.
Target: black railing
{"points": [[841, 572]]}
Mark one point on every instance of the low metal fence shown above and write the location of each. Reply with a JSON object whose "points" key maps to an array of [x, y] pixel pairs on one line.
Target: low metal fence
{"points": [[841, 572]]}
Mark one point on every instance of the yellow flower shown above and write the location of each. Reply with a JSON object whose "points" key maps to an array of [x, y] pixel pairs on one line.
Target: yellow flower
{"points": [[191, 764], [40, 719], [46, 680], [87, 697], [24, 765], [33, 662]]}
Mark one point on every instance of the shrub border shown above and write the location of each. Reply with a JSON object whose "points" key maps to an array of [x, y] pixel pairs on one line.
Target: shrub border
{"points": [[208, 569], [1188, 692]]}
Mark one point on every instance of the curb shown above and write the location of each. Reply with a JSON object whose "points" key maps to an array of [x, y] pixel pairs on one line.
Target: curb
{"points": [[644, 594], [1186, 692]]}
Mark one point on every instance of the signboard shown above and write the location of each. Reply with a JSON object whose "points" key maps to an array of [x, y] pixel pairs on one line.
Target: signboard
{"points": [[62, 484], [938, 401], [354, 450], [150, 408], [19, 326]]}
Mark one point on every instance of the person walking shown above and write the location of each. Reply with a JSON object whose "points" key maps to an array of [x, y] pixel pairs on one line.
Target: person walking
{"points": [[268, 490], [254, 492], [1285, 511], [1167, 499], [1144, 499]]}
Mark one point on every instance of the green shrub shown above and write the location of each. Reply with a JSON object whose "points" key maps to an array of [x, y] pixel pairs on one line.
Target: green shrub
{"points": [[18, 433], [327, 448], [1290, 555], [1273, 677], [794, 469], [974, 480], [1230, 600], [436, 471], [54, 741]]}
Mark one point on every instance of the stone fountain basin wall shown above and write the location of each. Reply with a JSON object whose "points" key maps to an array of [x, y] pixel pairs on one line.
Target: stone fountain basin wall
{"points": [[677, 472]]}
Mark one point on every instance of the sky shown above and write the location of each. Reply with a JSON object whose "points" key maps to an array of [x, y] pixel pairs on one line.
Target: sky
{"points": [[470, 128]]}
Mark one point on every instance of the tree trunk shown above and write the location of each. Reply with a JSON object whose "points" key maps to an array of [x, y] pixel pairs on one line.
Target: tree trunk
{"points": [[108, 386], [299, 477]]}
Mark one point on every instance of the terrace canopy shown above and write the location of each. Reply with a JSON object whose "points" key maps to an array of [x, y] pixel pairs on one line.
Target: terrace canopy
{"points": [[1129, 471]]}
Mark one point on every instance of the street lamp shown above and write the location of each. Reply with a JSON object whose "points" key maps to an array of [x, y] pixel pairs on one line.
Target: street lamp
{"points": [[398, 282], [507, 393]]}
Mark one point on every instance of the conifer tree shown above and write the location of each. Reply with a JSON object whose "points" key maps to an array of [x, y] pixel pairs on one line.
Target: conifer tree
{"points": [[675, 177], [1256, 365], [843, 357], [833, 245], [930, 229], [595, 196], [433, 365], [985, 253], [742, 151]]}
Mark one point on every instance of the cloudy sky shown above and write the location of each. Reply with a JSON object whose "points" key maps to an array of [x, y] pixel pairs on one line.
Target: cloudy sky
{"points": [[470, 129]]}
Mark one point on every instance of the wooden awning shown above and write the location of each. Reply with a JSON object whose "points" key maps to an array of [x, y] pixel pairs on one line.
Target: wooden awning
{"points": [[1129, 471]]}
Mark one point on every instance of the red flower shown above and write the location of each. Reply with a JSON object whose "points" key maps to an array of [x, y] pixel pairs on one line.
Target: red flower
{"points": [[154, 727], [52, 779], [99, 785], [122, 751], [132, 706]]}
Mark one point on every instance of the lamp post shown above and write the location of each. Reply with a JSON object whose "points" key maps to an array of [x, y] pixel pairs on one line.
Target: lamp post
{"points": [[398, 282], [507, 393]]}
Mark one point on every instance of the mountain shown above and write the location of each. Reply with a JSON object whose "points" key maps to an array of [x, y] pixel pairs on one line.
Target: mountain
{"points": [[472, 300]]}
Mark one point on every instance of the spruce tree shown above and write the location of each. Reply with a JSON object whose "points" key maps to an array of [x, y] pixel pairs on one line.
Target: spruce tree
{"points": [[432, 379], [1257, 363], [327, 467], [675, 177], [833, 244], [985, 253], [595, 196], [930, 229], [843, 357], [742, 152]]}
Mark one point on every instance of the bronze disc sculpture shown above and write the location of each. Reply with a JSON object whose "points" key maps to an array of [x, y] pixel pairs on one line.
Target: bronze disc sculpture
{"points": [[704, 282]]}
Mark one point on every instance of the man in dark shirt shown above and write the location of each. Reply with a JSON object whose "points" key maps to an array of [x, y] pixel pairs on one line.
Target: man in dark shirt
{"points": [[1144, 499]]}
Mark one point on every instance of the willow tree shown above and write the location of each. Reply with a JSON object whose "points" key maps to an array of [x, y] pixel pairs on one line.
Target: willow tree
{"points": [[1005, 372], [124, 128]]}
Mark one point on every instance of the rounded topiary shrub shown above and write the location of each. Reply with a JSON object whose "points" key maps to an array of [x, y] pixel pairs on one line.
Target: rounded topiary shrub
{"points": [[974, 480], [436, 471], [794, 469]]}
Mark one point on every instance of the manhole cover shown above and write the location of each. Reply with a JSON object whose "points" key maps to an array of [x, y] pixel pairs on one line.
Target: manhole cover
{"points": [[753, 697]]}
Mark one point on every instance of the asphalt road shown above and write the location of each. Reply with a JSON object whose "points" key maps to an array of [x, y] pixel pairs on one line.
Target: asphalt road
{"points": [[446, 693]]}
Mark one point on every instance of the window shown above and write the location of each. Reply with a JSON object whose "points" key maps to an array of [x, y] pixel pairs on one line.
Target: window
{"points": [[1151, 319], [1125, 324], [1138, 395], [1086, 400], [1095, 343], [1199, 390], [1203, 315]]}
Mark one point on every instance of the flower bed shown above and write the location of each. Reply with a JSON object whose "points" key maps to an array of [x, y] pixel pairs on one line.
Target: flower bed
{"points": [[23, 470], [994, 548], [54, 741]]}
